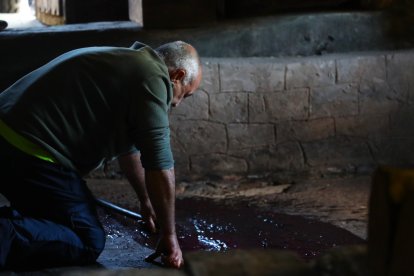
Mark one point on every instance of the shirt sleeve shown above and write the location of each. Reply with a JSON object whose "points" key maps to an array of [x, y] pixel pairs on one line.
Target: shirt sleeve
{"points": [[149, 125]]}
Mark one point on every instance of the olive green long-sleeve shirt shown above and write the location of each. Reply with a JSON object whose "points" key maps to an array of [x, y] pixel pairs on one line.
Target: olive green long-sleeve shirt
{"points": [[93, 104]]}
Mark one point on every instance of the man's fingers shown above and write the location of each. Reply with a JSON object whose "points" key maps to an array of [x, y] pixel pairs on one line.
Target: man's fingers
{"points": [[169, 261], [151, 226], [174, 262], [169, 250]]}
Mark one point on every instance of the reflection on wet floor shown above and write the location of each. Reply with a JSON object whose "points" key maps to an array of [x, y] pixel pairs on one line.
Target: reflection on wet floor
{"points": [[204, 224]]}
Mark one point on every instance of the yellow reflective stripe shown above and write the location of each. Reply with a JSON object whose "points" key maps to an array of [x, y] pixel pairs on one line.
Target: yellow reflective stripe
{"points": [[23, 144]]}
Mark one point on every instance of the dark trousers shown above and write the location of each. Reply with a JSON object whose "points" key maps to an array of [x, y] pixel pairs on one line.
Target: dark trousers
{"points": [[52, 220]]}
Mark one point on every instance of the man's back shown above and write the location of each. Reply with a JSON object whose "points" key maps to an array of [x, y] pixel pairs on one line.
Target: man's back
{"points": [[88, 104]]}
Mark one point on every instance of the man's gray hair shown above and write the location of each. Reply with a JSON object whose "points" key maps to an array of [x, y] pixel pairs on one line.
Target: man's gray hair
{"points": [[177, 55]]}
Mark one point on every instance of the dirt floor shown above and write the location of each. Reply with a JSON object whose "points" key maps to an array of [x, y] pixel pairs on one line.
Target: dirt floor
{"points": [[340, 201]]}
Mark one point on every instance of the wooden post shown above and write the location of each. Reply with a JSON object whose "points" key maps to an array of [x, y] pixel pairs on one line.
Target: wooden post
{"points": [[50, 12], [135, 11], [391, 222]]}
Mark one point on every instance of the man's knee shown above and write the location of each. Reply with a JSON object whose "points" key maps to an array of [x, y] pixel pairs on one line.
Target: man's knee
{"points": [[100, 240], [95, 244], [7, 235], [87, 226]]}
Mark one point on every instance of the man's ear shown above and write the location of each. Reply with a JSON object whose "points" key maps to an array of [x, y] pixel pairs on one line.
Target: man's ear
{"points": [[178, 74]]}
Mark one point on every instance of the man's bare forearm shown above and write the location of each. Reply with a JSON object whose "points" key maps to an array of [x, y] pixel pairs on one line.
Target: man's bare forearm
{"points": [[161, 190], [131, 166], [156, 191]]}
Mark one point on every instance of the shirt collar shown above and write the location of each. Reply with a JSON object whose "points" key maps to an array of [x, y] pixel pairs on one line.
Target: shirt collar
{"points": [[137, 45]]}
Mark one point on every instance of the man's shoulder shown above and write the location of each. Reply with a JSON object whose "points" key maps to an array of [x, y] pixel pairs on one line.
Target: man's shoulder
{"points": [[151, 62]]}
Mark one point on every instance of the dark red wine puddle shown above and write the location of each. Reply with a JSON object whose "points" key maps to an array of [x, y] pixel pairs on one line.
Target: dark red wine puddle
{"points": [[209, 225]]}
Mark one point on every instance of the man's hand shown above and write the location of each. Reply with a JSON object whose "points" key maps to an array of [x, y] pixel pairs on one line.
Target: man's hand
{"points": [[169, 251], [135, 173], [149, 217]]}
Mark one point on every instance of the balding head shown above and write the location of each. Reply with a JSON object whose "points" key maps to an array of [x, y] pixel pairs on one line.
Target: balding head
{"points": [[181, 55], [184, 68]]}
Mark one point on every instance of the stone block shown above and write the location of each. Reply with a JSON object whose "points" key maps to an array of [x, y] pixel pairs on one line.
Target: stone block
{"points": [[210, 81], [181, 159], [378, 97], [191, 108], [337, 152], [257, 158], [343, 261], [363, 125], [217, 164], [361, 69], [229, 107], [286, 156], [310, 130], [251, 75], [336, 100], [197, 137], [310, 73], [271, 107], [246, 262], [250, 135], [400, 68]]}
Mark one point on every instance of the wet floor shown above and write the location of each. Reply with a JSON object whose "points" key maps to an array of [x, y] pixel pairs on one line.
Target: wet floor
{"points": [[209, 225]]}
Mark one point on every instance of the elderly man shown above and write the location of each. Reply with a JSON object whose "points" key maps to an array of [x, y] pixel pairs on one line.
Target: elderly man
{"points": [[68, 117]]}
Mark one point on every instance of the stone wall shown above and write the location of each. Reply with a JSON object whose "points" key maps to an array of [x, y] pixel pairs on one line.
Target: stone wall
{"points": [[278, 117], [275, 117]]}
